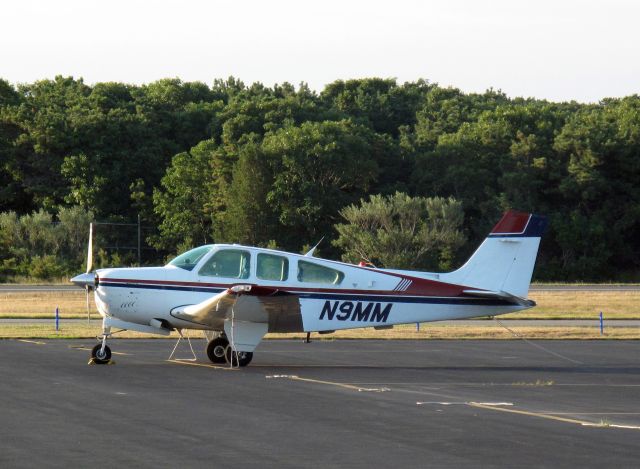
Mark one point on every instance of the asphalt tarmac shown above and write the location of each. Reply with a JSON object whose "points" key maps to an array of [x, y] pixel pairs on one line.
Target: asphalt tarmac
{"points": [[327, 403]]}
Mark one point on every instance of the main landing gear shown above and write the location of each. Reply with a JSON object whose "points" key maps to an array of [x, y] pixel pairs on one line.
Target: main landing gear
{"points": [[219, 351]]}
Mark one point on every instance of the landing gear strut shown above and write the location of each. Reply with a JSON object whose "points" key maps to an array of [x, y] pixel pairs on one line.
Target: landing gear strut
{"points": [[101, 353], [219, 351]]}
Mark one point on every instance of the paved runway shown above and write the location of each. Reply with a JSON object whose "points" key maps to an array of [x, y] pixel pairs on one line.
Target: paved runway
{"points": [[339, 403]]}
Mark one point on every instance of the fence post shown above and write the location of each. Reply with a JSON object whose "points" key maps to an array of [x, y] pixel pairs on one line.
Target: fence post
{"points": [[57, 318], [601, 324]]}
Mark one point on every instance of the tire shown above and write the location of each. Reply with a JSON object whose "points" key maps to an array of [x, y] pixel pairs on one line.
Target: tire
{"points": [[216, 350], [97, 357], [239, 358]]}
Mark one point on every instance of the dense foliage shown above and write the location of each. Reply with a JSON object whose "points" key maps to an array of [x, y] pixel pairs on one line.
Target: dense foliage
{"points": [[399, 230], [285, 166]]}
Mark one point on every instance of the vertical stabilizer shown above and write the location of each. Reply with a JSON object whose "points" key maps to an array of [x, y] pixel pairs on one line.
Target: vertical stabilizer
{"points": [[505, 259]]}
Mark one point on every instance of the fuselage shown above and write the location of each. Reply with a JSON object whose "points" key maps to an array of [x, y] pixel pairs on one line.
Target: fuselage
{"points": [[333, 295]]}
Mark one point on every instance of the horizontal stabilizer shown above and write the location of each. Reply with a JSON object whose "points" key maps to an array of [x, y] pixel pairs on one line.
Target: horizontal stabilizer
{"points": [[516, 300]]}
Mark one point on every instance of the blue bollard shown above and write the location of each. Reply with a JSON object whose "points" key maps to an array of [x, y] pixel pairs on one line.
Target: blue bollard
{"points": [[601, 324], [57, 317]]}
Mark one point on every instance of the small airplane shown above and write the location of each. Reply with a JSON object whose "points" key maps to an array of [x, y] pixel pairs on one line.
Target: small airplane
{"points": [[236, 294]]}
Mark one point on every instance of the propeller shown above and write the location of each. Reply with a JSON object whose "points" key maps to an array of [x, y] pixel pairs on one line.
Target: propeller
{"points": [[89, 266], [90, 249], [87, 280]]}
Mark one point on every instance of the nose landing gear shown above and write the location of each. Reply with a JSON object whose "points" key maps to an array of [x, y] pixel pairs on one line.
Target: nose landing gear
{"points": [[100, 356], [101, 353]]}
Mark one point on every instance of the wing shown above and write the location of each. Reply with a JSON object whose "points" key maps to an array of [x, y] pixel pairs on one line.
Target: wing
{"points": [[246, 303]]}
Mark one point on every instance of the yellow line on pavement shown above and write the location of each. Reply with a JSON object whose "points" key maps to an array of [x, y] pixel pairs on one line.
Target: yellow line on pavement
{"points": [[32, 342], [547, 416], [205, 365], [330, 383]]}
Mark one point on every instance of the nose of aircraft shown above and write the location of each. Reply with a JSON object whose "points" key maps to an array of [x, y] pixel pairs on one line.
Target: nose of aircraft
{"points": [[85, 280]]}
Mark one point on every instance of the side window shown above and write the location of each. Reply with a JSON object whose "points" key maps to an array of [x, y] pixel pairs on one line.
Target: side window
{"points": [[272, 267], [228, 263], [314, 273]]}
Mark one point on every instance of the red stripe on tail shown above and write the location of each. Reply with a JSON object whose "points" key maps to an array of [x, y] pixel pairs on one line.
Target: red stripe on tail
{"points": [[512, 222]]}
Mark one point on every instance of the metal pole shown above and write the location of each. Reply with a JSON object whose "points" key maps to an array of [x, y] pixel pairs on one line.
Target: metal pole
{"points": [[139, 244], [601, 324]]}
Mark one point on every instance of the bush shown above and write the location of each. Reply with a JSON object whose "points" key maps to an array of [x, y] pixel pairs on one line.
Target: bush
{"points": [[46, 267]]}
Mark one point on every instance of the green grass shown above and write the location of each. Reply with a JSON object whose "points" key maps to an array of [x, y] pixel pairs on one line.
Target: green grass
{"points": [[551, 305]]}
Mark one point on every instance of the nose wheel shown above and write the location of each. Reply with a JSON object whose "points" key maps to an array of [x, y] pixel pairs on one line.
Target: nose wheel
{"points": [[219, 352], [101, 355]]}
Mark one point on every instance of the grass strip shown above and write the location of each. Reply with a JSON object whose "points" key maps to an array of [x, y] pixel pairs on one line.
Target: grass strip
{"points": [[551, 305]]}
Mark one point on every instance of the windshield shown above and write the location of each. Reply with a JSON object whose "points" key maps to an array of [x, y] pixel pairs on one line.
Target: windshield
{"points": [[189, 259]]}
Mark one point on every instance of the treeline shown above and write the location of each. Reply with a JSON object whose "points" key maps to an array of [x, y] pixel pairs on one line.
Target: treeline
{"points": [[277, 165]]}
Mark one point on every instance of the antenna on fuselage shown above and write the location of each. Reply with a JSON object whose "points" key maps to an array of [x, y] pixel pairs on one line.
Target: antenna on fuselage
{"points": [[312, 250]]}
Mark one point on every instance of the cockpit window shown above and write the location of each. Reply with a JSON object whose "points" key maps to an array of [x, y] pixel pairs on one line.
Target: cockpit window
{"points": [[314, 273], [229, 263], [189, 259]]}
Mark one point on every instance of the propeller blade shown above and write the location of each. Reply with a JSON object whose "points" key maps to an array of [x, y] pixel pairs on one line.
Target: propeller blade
{"points": [[88, 309], [90, 249]]}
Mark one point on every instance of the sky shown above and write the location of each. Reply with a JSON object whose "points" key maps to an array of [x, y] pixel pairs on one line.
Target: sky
{"points": [[558, 50]]}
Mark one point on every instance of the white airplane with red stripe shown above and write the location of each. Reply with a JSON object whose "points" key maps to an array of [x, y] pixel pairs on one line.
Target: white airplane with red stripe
{"points": [[237, 294]]}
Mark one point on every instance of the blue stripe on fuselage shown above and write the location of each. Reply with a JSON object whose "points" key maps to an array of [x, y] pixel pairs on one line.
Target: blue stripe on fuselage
{"points": [[450, 300], [161, 287]]}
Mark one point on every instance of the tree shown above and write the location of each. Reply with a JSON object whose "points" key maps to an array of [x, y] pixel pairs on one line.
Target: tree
{"points": [[260, 164], [598, 223], [399, 231], [12, 193], [182, 203], [249, 218], [377, 103], [318, 167], [33, 245]]}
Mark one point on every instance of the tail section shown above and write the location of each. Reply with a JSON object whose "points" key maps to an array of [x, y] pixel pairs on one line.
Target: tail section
{"points": [[504, 261]]}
